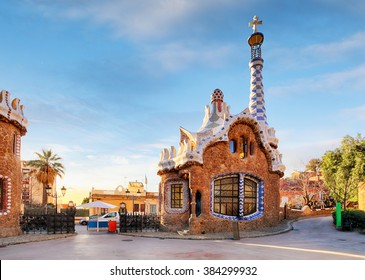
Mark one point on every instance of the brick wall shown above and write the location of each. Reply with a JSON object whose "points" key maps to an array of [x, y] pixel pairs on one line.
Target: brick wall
{"points": [[305, 212], [10, 171]]}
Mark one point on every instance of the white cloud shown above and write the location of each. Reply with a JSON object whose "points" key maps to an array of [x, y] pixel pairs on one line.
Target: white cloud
{"points": [[346, 48], [135, 19], [337, 82], [337, 49]]}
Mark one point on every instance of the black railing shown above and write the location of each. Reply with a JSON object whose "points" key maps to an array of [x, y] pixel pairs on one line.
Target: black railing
{"points": [[139, 222], [36, 223], [49, 223]]}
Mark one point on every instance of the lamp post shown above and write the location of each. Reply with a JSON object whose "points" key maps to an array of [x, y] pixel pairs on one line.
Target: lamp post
{"points": [[122, 214], [71, 207], [55, 195], [138, 195]]}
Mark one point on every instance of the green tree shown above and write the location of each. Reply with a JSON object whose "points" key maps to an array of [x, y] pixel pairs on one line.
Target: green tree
{"points": [[46, 169], [344, 168], [314, 165], [85, 200]]}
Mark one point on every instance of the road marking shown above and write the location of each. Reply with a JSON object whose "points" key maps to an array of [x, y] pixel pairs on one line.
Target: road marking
{"points": [[305, 250]]}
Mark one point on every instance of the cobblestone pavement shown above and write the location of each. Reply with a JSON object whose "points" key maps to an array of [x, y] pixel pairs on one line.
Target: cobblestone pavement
{"points": [[36, 237]]}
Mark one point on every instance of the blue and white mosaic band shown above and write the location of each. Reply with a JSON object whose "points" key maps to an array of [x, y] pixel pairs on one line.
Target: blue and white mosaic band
{"points": [[257, 101], [241, 193]]}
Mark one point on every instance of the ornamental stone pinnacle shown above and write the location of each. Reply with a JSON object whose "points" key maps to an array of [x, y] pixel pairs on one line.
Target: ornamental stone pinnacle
{"points": [[13, 111]]}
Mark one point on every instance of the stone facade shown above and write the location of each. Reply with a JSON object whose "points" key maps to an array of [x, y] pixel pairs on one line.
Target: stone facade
{"points": [[12, 128], [229, 170]]}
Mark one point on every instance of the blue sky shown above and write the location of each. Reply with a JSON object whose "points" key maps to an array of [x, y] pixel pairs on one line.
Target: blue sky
{"points": [[106, 84]]}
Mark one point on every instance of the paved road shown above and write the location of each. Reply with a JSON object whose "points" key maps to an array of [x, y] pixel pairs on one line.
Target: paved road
{"points": [[311, 239]]}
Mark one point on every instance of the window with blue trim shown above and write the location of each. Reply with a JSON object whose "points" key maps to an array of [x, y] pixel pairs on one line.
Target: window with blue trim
{"points": [[235, 195]]}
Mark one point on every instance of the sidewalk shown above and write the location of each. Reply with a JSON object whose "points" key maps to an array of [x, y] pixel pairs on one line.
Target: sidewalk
{"points": [[284, 226]]}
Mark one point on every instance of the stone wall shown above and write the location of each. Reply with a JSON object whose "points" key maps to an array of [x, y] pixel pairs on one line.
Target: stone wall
{"points": [[10, 171], [305, 212]]}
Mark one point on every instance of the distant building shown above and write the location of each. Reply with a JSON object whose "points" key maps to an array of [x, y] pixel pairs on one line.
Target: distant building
{"points": [[229, 170], [13, 125], [135, 196], [32, 190], [294, 191]]}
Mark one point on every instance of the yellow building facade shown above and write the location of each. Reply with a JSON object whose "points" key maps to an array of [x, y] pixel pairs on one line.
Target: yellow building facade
{"points": [[135, 196]]}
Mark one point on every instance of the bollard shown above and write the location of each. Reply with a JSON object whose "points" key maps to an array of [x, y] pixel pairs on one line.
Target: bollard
{"points": [[235, 230], [338, 215]]}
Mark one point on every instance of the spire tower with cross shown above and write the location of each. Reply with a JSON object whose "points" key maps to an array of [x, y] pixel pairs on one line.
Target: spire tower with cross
{"points": [[257, 101]]}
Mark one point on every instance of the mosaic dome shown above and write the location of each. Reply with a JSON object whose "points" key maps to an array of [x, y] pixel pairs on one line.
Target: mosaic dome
{"points": [[216, 95]]}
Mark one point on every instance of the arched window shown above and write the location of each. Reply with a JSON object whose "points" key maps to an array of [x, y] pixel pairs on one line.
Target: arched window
{"points": [[237, 196], [198, 203], [252, 148], [232, 146], [244, 146]]}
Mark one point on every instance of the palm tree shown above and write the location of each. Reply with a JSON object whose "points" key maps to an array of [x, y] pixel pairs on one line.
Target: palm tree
{"points": [[46, 168]]}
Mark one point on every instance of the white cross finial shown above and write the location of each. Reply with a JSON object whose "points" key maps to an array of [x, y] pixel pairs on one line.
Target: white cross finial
{"points": [[254, 23]]}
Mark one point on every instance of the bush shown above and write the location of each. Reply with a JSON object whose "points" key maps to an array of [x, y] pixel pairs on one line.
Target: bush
{"points": [[354, 218]]}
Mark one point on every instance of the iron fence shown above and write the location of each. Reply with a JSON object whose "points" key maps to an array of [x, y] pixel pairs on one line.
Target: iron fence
{"points": [[48, 223], [139, 222]]}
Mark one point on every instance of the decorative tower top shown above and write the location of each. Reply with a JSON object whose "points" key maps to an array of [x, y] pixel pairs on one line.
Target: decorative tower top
{"points": [[12, 110], [217, 95], [256, 39], [257, 100], [217, 98]]}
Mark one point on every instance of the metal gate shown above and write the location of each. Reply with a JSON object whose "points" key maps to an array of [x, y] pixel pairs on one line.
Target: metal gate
{"points": [[49, 223], [139, 222]]}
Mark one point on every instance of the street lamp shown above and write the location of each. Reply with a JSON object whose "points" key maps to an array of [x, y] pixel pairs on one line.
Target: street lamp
{"points": [[122, 208], [122, 214], [71, 209], [55, 195], [138, 195]]}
